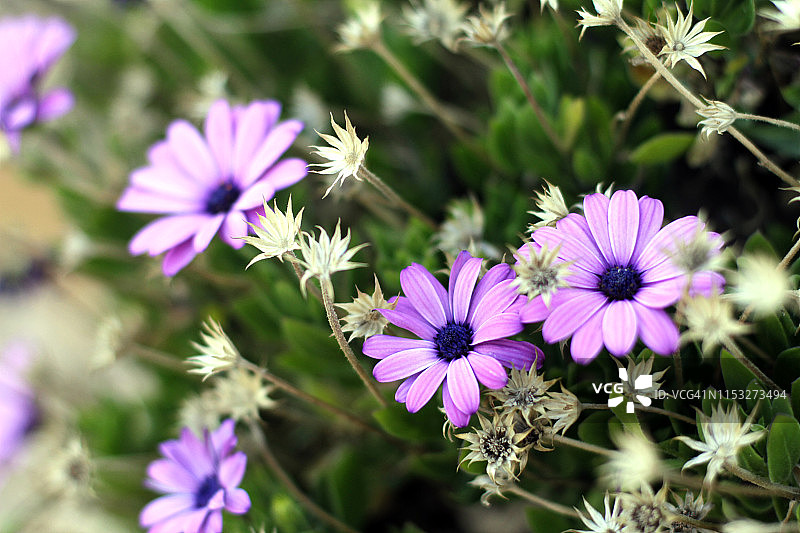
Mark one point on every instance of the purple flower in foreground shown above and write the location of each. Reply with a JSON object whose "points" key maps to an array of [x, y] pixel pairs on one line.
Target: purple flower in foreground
{"points": [[200, 477], [216, 182], [621, 276], [18, 412], [30, 46], [462, 333]]}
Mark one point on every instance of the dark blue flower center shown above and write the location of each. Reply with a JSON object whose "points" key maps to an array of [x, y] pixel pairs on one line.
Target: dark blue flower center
{"points": [[222, 198], [620, 283], [453, 341], [206, 490]]}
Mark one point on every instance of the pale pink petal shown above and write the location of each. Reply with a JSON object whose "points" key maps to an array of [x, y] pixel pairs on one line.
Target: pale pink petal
{"points": [[405, 363], [575, 309], [381, 346], [234, 227], [166, 507], [237, 501], [458, 418], [401, 393], [144, 201], [55, 104], [535, 311], [657, 330], [192, 153], [651, 216], [619, 327], [409, 319], [623, 225], [498, 327], [493, 276], [664, 241], [461, 293], [661, 294], [488, 370], [212, 523], [177, 258], [272, 147], [255, 196], [170, 181], [463, 386], [286, 172], [206, 232], [571, 248], [426, 384], [494, 301], [252, 126], [426, 294], [707, 283], [168, 476], [231, 470], [165, 233], [595, 208], [587, 341], [219, 132]]}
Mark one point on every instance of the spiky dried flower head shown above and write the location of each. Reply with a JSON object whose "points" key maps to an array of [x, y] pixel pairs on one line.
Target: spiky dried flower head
{"points": [[724, 434], [686, 42], [552, 207], [562, 409], [217, 351], [760, 285], [198, 411], [277, 233], [717, 117], [635, 461], [489, 27], [462, 229], [363, 29], [643, 511], [552, 3], [441, 20], [609, 13], [525, 393], [362, 317], [632, 384], [326, 255], [496, 443], [647, 33], [709, 319], [69, 471], [700, 252], [690, 507], [491, 487], [345, 155], [608, 522], [785, 16], [240, 394], [539, 271]]}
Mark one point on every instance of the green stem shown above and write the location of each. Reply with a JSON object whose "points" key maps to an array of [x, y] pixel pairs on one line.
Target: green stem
{"points": [[333, 321], [737, 353], [560, 439], [769, 120], [627, 115], [541, 502], [783, 491], [393, 197], [683, 519]]}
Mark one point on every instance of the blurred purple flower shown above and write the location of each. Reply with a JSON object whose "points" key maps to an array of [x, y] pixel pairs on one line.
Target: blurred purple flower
{"points": [[212, 182], [200, 478], [18, 412], [621, 276], [462, 334], [30, 46]]}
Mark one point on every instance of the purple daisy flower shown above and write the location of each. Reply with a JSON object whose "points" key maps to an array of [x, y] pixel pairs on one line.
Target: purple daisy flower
{"points": [[462, 333], [18, 412], [216, 182], [30, 46], [200, 478], [621, 276]]}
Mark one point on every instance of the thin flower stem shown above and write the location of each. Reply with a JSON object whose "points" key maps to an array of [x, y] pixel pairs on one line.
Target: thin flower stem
{"points": [[542, 502], [627, 115], [769, 120], [560, 439], [275, 465], [737, 353], [784, 491], [313, 400], [427, 98], [299, 273], [537, 109], [333, 321], [698, 104], [158, 357], [393, 197]]}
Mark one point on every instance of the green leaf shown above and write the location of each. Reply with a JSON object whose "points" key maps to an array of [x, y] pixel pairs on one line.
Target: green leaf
{"points": [[787, 366], [781, 405], [736, 375], [757, 244], [770, 336], [749, 459], [415, 427], [594, 429], [313, 352], [571, 116], [662, 148], [796, 398], [783, 447]]}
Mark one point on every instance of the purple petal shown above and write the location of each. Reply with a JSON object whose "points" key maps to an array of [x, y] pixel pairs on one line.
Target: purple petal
{"points": [[286, 172], [493, 276], [231, 470], [165, 233], [170, 181], [664, 241], [463, 386], [498, 327], [426, 384], [405, 316], [426, 294], [513, 354], [661, 294], [212, 523], [177, 258], [381, 346], [623, 225], [575, 306], [168, 476], [707, 283], [535, 311], [237, 501], [657, 330], [405, 363], [197, 521], [144, 201], [55, 104], [272, 147], [458, 418], [192, 153], [206, 232], [587, 341], [488, 370], [223, 439], [233, 228], [251, 127], [495, 301], [166, 507], [401, 393], [255, 196], [219, 132], [571, 248], [662, 271], [461, 290], [651, 216], [619, 327], [595, 208]]}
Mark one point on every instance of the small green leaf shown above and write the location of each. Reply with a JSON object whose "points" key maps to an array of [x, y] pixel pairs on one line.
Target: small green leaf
{"points": [[736, 375], [749, 459], [571, 115], [787, 366], [662, 148], [415, 427], [796, 398], [757, 244], [770, 336], [783, 447]]}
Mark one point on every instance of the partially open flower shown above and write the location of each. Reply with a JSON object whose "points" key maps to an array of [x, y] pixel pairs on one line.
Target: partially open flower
{"points": [[717, 117], [217, 353], [363, 29], [363, 318], [686, 42], [489, 28], [496, 443], [345, 155]]}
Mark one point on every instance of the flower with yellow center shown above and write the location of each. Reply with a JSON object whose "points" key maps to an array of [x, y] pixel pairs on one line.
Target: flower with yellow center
{"points": [[345, 155]]}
